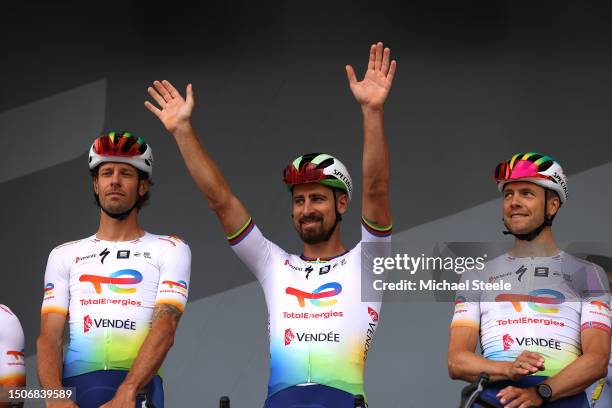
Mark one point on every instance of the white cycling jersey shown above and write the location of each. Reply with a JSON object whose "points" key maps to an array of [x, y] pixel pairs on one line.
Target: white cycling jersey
{"points": [[109, 289], [551, 301], [12, 364], [320, 329]]}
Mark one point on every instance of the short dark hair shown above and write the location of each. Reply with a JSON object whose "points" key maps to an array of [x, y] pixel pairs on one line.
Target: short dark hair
{"points": [[140, 201]]}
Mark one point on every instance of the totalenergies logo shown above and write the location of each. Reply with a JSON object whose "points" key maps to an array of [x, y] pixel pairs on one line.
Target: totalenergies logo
{"points": [[460, 302], [17, 354], [534, 299], [49, 289], [327, 290], [180, 285], [601, 305], [122, 277]]}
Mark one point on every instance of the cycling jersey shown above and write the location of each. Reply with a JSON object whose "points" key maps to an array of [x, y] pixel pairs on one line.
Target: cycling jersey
{"points": [[108, 290], [12, 365], [320, 330], [552, 300]]}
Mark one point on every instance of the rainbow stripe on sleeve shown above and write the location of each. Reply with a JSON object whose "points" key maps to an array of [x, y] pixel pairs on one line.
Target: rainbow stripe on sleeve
{"points": [[376, 230], [242, 232]]}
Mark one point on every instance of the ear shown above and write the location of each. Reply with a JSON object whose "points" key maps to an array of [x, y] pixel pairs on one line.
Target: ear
{"points": [[341, 203], [552, 206], [143, 187], [94, 182]]}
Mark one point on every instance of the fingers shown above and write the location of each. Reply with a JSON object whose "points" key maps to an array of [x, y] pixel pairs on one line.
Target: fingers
{"points": [[171, 89], [385, 61], [391, 73], [372, 60], [162, 91], [160, 101], [379, 53], [350, 74], [152, 108], [189, 93]]}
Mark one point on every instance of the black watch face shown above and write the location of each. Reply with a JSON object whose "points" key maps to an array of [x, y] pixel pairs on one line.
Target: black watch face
{"points": [[544, 391]]}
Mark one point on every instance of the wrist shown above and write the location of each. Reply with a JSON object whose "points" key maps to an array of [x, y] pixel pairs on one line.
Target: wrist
{"points": [[368, 110], [182, 130], [128, 389]]}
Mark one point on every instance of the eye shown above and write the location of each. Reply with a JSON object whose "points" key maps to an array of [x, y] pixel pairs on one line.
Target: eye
{"points": [[298, 200]]}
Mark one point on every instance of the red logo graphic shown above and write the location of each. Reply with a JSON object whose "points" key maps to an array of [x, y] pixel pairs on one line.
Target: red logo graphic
{"points": [[87, 323], [289, 336], [601, 305], [17, 354], [508, 341], [373, 314]]}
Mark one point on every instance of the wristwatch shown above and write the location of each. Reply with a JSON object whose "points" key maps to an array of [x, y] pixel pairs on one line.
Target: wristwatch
{"points": [[544, 391]]}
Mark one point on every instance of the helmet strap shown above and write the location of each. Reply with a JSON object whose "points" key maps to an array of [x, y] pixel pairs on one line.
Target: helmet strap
{"points": [[530, 236]]}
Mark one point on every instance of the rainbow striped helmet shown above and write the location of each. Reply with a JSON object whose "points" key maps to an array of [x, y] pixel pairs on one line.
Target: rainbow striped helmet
{"points": [[122, 147], [533, 167], [318, 168]]}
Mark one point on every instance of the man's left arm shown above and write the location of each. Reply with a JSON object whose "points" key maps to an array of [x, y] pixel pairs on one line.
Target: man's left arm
{"points": [[573, 379], [371, 93], [150, 356]]}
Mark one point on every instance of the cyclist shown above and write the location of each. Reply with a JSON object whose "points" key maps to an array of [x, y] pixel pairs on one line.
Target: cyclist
{"points": [[12, 364], [123, 289], [320, 330], [542, 347]]}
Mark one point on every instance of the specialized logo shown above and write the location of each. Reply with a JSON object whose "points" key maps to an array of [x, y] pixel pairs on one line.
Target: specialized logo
{"points": [[18, 355], [534, 299], [520, 272], [87, 323], [290, 336], [104, 254], [373, 314], [508, 341], [180, 285], [327, 290], [115, 278], [49, 289]]}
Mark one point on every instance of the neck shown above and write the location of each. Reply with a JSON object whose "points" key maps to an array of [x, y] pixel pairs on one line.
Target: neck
{"points": [[111, 229], [330, 248], [542, 245]]}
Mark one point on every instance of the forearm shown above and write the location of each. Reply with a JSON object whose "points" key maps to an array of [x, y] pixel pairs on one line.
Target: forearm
{"points": [[375, 168], [150, 358], [49, 362], [202, 168], [467, 366], [578, 375]]}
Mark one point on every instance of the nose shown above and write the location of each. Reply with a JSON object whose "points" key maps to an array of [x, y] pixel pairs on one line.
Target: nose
{"points": [[115, 178], [308, 207]]}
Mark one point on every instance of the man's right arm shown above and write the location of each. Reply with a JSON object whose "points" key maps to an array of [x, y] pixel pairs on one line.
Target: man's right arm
{"points": [[49, 356], [175, 114], [465, 364]]}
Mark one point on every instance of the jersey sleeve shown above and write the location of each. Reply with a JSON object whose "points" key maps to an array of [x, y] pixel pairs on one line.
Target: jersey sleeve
{"points": [[253, 249], [467, 305], [12, 363], [174, 273], [371, 232], [56, 296], [596, 302]]}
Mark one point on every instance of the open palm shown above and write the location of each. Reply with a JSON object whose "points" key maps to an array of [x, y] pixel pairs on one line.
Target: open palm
{"points": [[173, 110], [373, 89]]}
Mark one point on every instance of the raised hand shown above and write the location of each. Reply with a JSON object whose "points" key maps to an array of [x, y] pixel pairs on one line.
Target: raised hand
{"points": [[371, 92], [174, 111]]}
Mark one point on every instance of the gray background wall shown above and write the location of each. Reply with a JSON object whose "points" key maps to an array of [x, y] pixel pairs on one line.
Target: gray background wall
{"points": [[476, 81]]}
